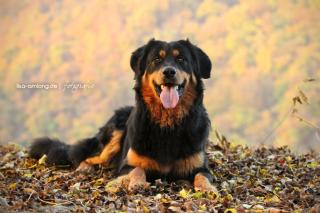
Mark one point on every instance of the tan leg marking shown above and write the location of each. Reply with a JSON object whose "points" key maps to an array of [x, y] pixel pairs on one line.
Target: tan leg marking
{"points": [[136, 160], [187, 165], [109, 151]]}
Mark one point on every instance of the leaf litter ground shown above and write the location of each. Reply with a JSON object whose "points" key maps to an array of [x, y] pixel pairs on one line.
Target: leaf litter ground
{"points": [[262, 180]]}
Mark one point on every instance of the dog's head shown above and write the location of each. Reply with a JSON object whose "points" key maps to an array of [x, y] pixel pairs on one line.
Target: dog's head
{"points": [[169, 78], [169, 68]]}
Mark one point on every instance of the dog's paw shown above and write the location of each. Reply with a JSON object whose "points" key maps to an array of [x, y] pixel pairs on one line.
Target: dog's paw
{"points": [[206, 188], [85, 168], [138, 185], [137, 179], [201, 183], [135, 186]]}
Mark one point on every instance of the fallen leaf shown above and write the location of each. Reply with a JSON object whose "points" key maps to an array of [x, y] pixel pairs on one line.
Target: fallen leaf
{"points": [[42, 160], [184, 193]]}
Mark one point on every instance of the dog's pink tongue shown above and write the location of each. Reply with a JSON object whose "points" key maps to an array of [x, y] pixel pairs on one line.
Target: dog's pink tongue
{"points": [[169, 97]]}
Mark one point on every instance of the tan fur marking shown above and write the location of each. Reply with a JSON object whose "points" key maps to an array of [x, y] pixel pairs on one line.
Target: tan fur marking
{"points": [[134, 159], [167, 117], [162, 53], [109, 151], [175, 53], [187, 165]]}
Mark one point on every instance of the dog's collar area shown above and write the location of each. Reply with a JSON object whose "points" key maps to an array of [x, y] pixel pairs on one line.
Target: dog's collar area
{"points": [[178, 87]]}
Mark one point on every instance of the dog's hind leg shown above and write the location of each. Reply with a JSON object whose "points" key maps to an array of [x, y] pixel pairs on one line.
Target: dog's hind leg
{"points": [[110, 137], [109, 151]]}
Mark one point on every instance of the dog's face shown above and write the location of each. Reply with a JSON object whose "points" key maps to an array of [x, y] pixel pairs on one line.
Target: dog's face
{"points": [[169, 69]]}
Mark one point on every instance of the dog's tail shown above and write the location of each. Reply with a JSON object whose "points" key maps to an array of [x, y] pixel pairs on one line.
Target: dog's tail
{"points": [[59, 153]]}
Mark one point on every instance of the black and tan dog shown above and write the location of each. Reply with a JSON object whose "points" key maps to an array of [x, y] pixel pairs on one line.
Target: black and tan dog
{"points": [[164, 135]]}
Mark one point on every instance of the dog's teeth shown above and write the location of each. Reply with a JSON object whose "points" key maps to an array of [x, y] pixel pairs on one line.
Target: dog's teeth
{"points": [[162, 86]]}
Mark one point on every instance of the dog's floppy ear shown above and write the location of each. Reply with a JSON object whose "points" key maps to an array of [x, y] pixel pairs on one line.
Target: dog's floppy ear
{"points": [[203, 61], [138, 58]]}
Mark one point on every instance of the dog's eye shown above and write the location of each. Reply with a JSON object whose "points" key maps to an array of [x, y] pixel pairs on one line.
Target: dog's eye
{"points": [[180, 59], [157, 60]]}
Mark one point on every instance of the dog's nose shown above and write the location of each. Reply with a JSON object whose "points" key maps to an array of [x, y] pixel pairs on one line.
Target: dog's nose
{"points": [[169, 72]]}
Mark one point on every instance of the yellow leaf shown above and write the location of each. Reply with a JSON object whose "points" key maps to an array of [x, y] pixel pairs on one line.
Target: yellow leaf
{"points": [[98, 182], [165, 200], [229, 197], [42, 160], [289, 158], [213, 195], [113, 186], [273, 199], [145, 209], [29, 175], [232, 210], [185, 194], [12, 186], [312, 165], [263, 172], [203, 207], [197, 195]]}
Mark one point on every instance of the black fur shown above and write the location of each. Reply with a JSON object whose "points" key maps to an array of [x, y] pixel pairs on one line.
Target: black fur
{"points": [[55, 150], [163, 144]]}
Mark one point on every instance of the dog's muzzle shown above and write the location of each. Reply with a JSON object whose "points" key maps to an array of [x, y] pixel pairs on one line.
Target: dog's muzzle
{"points": [[169, 91]]}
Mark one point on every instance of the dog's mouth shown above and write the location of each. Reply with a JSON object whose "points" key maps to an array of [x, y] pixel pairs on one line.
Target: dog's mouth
{"points": [[169, 93]]}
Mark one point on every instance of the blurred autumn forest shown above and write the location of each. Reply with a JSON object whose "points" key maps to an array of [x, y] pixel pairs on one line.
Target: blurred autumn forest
{"points": [[262, 53]]}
